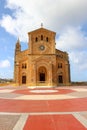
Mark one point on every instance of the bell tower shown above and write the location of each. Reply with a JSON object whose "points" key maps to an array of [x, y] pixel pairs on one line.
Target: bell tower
{"points": [[16, 61], [18, 47]]}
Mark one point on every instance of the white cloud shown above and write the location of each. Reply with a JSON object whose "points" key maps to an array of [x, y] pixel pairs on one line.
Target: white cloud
{"points": [[4, 64], [28, 15], [71, 39], [8, 24], [79, 60]]}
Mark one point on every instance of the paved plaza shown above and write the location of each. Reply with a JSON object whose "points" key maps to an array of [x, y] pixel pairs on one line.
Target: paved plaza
{"points": [[59, 108]]}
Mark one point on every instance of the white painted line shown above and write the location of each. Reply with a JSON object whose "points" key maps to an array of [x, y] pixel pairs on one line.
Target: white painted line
{"points": [[44, 97], [33, 87], [80, 89], [42, 113], [44, 91], [81, 119], [21, 122], [6, 91], [10, 113]]}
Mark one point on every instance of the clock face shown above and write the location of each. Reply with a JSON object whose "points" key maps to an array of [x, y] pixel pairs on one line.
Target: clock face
{"points": [[42, 47]]}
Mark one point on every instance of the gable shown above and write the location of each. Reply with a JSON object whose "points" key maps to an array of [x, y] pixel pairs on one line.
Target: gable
{"points": [[41, 30]]}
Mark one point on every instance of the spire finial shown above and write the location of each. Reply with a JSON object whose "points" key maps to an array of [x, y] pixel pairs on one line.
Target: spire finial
{"points": [[18, 40], [41, 25]]}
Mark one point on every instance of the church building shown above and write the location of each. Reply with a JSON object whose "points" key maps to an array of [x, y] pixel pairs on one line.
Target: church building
{"points": [[41, 64]]}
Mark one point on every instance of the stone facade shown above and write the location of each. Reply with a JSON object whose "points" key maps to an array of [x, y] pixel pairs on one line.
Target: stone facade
{"points": [[41, 64]]}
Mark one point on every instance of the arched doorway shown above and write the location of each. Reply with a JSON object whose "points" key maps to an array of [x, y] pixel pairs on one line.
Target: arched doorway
{"points": [[23, 78], [42, 74], [60, 79], [42, 77]]}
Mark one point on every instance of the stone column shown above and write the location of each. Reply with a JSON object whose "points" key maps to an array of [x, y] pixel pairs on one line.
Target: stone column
{"points": [[30, 44], [34, 78], [50, 74], [17, 73], [67, 74]]}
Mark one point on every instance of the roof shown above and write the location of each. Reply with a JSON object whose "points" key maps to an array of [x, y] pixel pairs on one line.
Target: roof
{"points": [[41, 29]]}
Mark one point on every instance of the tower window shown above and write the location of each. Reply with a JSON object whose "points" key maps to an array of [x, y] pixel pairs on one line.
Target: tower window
{"points": [[41, 37], [36, 39], [24, 66], [59, 65], [47, 39]]}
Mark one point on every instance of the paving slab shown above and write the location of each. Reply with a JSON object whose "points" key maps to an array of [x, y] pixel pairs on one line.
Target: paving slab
{"points": [[7, 122]]}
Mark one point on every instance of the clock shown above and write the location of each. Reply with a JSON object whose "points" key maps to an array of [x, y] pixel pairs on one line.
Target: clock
{"points": [[42, 47]]}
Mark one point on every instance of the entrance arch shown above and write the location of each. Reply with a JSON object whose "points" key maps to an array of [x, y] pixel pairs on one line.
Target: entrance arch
{"points": [[42, 77], [42, 74], [60, 79]]}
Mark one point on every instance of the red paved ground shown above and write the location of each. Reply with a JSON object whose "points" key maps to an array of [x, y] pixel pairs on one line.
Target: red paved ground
{"points": [[53, 122], [68, 105]]}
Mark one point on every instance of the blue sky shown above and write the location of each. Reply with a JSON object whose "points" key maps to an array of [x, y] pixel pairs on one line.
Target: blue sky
{"points": [[68, 18]]}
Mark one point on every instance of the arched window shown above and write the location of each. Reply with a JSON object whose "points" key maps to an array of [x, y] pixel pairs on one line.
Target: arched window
{"points": [[25, 65], [36, 39], [47, 39], [41, 37], [22, 66]]}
